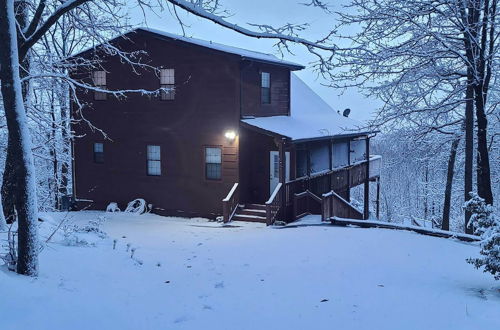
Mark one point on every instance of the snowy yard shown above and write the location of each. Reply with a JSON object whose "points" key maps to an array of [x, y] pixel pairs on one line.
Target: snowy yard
{"points": [[195, 274]]}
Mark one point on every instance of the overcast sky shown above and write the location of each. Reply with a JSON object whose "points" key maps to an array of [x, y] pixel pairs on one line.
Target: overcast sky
{"points": [[275, 12]]}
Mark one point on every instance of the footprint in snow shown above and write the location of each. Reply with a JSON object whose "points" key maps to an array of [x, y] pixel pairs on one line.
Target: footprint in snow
{"points": [[219, 285]]}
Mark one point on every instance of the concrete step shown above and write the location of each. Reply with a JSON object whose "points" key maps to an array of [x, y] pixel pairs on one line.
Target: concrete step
{"points": [[250, 218]]}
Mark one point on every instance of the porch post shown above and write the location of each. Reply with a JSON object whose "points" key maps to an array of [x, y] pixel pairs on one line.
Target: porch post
{"points": [[378, 197], [366, 208], [282, 176]]}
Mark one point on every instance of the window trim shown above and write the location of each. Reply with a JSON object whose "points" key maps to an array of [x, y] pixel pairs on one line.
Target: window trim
{"points": [[94, 152], [171, 84], [153, 160], [204, 150], [262, 88]]}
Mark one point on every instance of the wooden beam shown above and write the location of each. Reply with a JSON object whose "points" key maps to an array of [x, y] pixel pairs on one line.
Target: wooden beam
{"points": [[282, 175], [378, 198], [366, 204]]}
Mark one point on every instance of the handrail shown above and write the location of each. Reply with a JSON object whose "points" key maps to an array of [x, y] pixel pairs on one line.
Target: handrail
{"points": [[231, 192], [230, 204], [303, 209], [273, 205], [273, 195], [342, 208]]}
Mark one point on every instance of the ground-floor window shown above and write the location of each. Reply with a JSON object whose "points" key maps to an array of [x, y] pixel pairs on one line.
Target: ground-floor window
{"points": [[213, 163], [99, 152], [154, 160]]}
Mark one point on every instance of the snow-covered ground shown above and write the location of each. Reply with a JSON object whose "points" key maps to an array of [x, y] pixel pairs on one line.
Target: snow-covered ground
{"points": [[195, 274]]}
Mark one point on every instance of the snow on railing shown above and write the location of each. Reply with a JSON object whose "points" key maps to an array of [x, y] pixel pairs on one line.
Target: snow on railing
{"points": [[278, 187]]}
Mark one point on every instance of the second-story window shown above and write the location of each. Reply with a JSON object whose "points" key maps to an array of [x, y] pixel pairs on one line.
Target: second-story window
{"points": [[167, 81], [99, 79], [265, 87], [99, 153]]}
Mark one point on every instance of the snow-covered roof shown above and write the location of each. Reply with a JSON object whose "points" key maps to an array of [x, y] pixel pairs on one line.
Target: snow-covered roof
{"points": [[244, 53], [311, 117]]}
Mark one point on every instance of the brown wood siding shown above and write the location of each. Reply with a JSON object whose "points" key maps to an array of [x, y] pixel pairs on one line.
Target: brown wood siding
{"points": [[251, 104], [207, 102]]}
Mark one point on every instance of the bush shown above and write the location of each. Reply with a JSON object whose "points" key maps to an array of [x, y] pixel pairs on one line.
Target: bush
{"points": [[488, 227]]}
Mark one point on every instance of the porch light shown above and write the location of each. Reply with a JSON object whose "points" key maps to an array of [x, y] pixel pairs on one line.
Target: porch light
{"points": [[230, 135]]}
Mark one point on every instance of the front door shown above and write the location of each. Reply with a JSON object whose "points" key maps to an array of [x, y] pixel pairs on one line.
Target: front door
{"points": [[274, 162]]}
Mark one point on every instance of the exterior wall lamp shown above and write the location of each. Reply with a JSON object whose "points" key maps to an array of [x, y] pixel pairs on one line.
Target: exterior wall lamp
{"points": [[230, 135]]}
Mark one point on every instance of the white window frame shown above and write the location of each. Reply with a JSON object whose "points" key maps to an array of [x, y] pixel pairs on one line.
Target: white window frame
{"points": [[153, 155], [265, 84], [100, 81], [167, 81], [213, 161]]}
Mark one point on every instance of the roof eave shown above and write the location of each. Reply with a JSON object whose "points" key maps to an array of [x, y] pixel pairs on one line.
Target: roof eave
{"points": [[332, 137], [291, 66]]}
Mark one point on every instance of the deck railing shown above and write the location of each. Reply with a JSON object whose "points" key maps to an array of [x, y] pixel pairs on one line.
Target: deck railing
{"points": [[230, 203], [303, 204], [273, 205], [333, 205]]}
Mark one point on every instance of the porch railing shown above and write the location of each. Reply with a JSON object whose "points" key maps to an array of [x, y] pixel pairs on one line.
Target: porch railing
{"points": [[273, 205], [302, 204], [230, 203], [333, 205]]}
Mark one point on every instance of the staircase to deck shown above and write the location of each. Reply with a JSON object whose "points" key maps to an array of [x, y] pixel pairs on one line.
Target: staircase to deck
{"points": [[251, 213]]}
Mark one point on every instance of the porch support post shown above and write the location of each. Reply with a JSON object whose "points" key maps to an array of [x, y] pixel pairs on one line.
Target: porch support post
{"points": [[366, 204], [282, 176], [378, 198]]}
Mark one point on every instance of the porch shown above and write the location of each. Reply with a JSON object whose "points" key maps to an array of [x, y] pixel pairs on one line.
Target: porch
{"points": [[284, 180]]}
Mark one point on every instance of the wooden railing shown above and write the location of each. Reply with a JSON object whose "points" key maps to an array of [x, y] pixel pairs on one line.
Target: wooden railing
{"points": [[303, 205], [273, 205], [339, 179], [333, 205], [230, 203]]}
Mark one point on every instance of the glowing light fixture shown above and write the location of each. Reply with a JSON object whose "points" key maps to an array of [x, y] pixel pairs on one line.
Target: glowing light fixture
{"points": [[230, 135]]}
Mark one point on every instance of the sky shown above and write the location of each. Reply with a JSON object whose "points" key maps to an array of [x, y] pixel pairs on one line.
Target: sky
{"points": [[272, 12]]}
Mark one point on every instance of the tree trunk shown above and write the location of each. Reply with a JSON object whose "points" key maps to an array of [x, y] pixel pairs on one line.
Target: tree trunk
{"points": [[3, 224], [20, 142], [445, 225], [484, 67], [8, 186], [469, 145], [63, 190], [8, 180], [483, 162]]}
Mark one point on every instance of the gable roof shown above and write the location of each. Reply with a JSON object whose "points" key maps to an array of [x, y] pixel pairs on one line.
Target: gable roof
{"points": [[244, 54], [311, 118]]}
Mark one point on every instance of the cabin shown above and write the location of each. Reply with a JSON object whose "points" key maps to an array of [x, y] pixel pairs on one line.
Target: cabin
{"points": [[233, 133]]}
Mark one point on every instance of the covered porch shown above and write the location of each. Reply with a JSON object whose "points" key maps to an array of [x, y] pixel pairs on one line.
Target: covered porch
{"points": [[283, 179]]}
